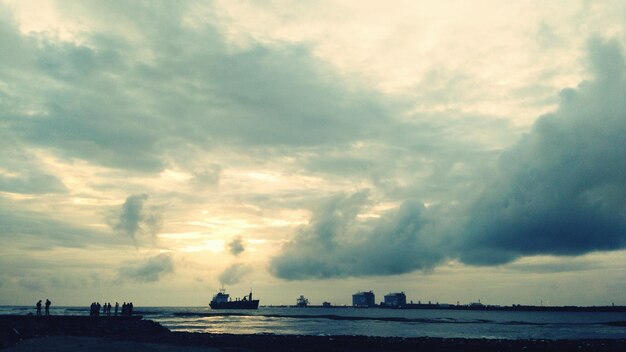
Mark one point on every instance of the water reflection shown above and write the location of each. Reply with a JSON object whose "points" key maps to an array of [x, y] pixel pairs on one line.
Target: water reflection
{"points": [[376, 322], [407, 323]]}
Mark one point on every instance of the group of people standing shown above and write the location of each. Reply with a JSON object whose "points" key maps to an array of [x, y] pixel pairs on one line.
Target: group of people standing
{"points": [[127, 309], [38, 307]]}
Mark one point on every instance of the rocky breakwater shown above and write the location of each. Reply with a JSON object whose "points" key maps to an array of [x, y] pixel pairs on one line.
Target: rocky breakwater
{"points": [[14, 328]]}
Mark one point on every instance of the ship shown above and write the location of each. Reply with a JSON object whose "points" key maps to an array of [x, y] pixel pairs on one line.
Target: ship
{"points": [[222, 301], [302, 302]]}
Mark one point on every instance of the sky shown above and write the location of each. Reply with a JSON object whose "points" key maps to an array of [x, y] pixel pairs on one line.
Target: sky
{"points": [[155, 151]]}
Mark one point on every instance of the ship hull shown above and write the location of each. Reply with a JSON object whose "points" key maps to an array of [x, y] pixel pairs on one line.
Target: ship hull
{"points": [[254, 304]]}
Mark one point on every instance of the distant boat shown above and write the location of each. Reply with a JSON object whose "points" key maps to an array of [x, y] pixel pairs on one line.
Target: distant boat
{"points": [[222, 301], [302, 302]]}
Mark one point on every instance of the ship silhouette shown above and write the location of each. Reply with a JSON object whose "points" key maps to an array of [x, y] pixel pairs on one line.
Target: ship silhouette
{"points": [[222, 301]]}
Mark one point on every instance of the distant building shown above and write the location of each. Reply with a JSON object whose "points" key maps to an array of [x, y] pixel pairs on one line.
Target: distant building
{"points": [[397, 299], [326, 305], [363, 299]]}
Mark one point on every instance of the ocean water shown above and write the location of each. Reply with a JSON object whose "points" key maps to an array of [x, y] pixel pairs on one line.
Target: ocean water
{"points": [[377, 322]]}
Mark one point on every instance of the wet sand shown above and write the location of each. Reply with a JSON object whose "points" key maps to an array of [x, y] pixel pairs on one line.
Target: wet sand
{"points": [[82, 333]]}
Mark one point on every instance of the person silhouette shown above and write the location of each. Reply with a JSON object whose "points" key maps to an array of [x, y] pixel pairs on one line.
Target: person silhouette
{"points": [[117, 306], [130, 308], [48, 303], [38, 306]]}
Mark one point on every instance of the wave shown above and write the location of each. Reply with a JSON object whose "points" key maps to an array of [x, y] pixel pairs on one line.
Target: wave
{"points": [[386, 319], [77, 309], [616, 323], [515, 322], [352, 318]]}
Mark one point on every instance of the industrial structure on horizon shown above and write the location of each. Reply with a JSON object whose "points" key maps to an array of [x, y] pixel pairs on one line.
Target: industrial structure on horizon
{"points": [[396, 300], [364, 299]]}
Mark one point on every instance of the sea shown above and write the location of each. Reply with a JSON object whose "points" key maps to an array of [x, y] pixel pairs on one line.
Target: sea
{"points": [[377, 322]]}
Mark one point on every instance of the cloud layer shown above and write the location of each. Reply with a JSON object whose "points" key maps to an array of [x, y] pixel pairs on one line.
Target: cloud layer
{"points": [[417, 147], [559, 190], [336, 244]]}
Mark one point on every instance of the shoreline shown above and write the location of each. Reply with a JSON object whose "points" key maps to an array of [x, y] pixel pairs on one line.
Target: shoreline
{"points": [[61, 331], [438, 306]]}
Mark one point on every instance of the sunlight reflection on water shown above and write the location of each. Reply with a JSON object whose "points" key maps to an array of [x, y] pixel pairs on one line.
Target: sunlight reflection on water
{"points": [[434, 323], [376, 322]]}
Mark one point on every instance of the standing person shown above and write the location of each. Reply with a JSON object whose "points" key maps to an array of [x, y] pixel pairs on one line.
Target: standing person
{"points": [[109, 309], [38, 306], [117, 306], [130, 308], [48, 303], [124, 309], [98, 306]]}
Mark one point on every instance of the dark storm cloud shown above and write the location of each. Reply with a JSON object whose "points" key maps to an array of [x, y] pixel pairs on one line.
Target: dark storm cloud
{"points": [[560, 190], [149, 270], [136, 220], [234, 274], [336, 244], [236, 246]]}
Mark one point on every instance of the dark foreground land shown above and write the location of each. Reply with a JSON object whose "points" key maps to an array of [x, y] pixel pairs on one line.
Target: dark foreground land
{"points": [[83, 333]]}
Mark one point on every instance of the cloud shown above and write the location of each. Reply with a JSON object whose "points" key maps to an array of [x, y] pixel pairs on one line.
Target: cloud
{"points": [[560, 190], [558, 267], [139, 107], [336, 243], [135, 221], [31, 284], [207, 176], [23, 172], [40, 231], [31, 183], [183, 96], [149, 270], [236, 247], [234, 274]]}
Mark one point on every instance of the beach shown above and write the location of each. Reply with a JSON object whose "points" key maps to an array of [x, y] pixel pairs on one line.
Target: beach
{"points": [[82, 333]]}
